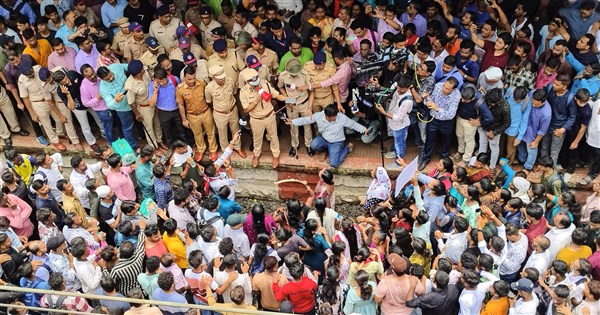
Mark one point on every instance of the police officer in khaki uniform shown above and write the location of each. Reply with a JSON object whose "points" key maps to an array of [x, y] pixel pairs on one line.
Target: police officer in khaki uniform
{"points": [[135, 45], [268, 58], [207, 25], [319, 70], [220, 93], [150, 57], [200, 67], [289, 82], [227, 58], [164, 28], [196, 114], [136, 86], [120, 39], [36, 101], [219, 33], [186, 46], [243, 43], [192, 15], [51, 88], [256, 97]]}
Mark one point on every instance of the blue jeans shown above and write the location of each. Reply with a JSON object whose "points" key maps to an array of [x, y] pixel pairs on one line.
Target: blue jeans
{"points": [[527, 155], [107, 124], [337, 150], [400, 141], [127, 121]]}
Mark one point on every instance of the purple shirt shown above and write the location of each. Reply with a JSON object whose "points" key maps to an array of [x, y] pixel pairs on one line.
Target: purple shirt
{"points": [[419, 21], [341, 77], [383, 27], [89, 90], [538, 123], [12, 73], [594, 259], [82, 58], [66, 61], [269, 223]]}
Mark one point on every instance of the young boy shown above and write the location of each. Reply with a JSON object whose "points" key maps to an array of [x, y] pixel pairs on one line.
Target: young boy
{"points": [[537, 126]]}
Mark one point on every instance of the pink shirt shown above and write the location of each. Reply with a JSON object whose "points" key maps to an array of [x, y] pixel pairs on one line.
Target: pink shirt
{"points": [[66, 61], [393, 291], [19, 216], [341, 77], [121, 183], [543, 80], [89, 91]]}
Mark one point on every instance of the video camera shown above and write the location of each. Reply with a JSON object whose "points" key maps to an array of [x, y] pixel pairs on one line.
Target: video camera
{"points": [[397, 57]]}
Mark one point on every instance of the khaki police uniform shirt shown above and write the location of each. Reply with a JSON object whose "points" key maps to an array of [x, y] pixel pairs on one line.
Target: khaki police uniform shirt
{"points": [[32, 87], [263, 74], [227, 22], [149, 60], [165, 35], [201, 71], [323, 96], [286, 79], [267, 59], [205, 30], [249, 96], [195, 49], [192, 98], [232, 65], [119, 41], [134, 49], [52, 90], [221, 96], [137, 89]]}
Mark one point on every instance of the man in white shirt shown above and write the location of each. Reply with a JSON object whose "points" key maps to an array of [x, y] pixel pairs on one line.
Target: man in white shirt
{"points": [[242, 18], [82, 172], [89, 272], [209, 215], [177, 209], [516, 252], [472, 295], [397, 117], [560, 234], [593, 140], [527, 302], [540, 258], [50, 171], [223, 278], [209, 243], [456, 243], [580, 270]]}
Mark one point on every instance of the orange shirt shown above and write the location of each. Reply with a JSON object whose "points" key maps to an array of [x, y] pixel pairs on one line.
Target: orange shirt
{"points": [[496, 307], [453, 48], [44, 51]]}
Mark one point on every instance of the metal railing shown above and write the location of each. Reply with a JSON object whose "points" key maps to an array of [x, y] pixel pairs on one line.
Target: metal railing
{"points": [[120, 299]]}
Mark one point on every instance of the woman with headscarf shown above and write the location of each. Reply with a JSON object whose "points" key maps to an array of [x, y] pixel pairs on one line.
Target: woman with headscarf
{"points": [[521, 188], [380, 188]]}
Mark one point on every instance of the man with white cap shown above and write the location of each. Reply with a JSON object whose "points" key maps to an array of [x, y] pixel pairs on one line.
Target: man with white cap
{"points": [[289, 82], [526, 301], [220, 93], [490, 79], [256, 97]]}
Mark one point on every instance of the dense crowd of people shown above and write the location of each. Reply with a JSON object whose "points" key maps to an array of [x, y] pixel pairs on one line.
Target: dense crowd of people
{"points": [[516, 80]]}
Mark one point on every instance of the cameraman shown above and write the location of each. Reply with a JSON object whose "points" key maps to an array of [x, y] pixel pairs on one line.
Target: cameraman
{"points": [[366, 114], [423, 82]]}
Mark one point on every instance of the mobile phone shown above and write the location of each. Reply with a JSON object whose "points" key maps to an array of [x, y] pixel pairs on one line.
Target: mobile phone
{"points": [[125, 93], [162, 159], [478, 210]]}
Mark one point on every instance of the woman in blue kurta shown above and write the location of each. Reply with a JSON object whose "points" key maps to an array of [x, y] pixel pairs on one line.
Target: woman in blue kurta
{"points": [[319, 243]]}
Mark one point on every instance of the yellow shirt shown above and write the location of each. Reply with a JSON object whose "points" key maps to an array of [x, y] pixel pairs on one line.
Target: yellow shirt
{"points": [[44, 51], [569, 255], [72, 204], [176, 247]]}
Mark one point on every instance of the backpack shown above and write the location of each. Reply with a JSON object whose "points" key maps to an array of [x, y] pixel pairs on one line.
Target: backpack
{"points": [[554, 177], [210, 221], [31, 179], [53, 306], [526, 101], [30, 298], [13, 14]]}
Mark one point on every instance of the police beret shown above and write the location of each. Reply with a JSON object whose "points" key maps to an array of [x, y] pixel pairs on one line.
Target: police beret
{"points": [[220, 45], [252, 61], [135, 67], [189, 58], [243, 38], [122, 22], [205, 10], [162, 10], [217, 72], [319, 58], [25, 67], [44, 73], [218, 31], [293, 66], [181, 31]]}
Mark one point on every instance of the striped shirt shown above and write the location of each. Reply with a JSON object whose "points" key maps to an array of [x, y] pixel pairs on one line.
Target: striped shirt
{"points": [[73, 303], [125, 271]]}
